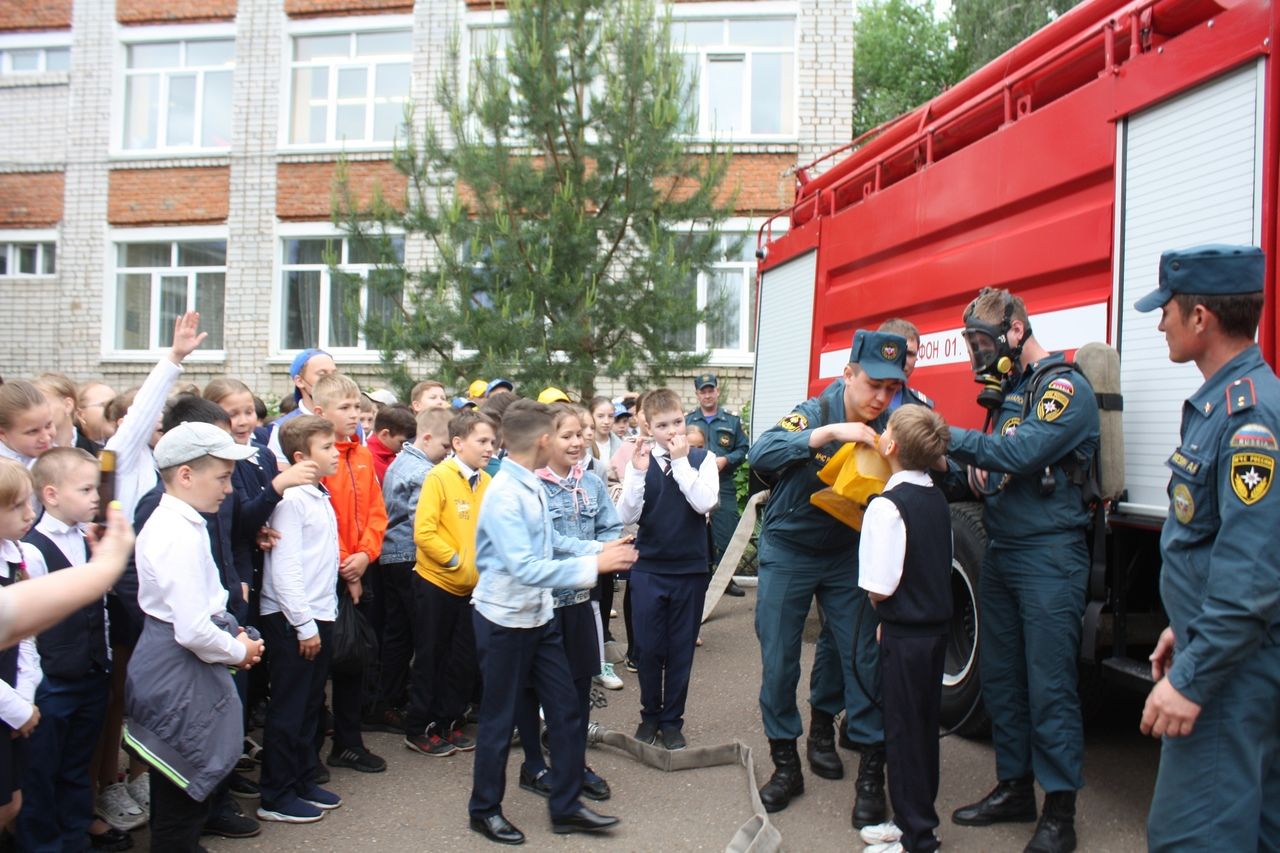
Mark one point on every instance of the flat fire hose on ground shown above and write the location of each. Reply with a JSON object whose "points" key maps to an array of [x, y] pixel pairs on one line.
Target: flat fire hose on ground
{"points": [[757, 834], [733, 553]]}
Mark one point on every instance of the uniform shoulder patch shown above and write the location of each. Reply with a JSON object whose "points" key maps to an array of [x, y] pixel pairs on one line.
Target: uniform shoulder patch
{"points": [[1052, 404], [1064, 385], [1010, 426], [794, 422], [1254, 437], [1240, 395], [1251, 475]]}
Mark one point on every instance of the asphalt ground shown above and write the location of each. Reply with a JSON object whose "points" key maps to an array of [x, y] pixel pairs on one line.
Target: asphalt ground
{"points": [[419, 803]]}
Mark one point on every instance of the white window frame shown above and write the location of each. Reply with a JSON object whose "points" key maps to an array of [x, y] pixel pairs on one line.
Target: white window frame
{"points": [[42, 41], [130, 36], [355, 24], [725, 12], [119, 236], [12, 238], [315, 231]]}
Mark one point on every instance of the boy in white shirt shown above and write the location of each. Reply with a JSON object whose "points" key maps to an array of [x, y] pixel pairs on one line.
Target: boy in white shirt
{"points": [[185, 718], [299, 606]]}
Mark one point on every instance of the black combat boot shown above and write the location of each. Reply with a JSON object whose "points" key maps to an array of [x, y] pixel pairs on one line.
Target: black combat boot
{"points": [[1011, 801], [786, 781], [869, 807], [820, 748], [1056, 832]]}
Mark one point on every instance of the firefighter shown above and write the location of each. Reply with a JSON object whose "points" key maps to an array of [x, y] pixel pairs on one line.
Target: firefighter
{"points": [[806, 552], [1216, 701], [1031, 470], [728, 442]]}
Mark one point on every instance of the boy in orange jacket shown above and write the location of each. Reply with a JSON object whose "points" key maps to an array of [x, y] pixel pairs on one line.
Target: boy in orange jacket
{"points": [[362, 522]]}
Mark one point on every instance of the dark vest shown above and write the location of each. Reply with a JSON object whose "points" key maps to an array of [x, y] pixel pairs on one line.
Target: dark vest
{"points": [[921, 605], [672, 539], [76, 646], [9, 656]]}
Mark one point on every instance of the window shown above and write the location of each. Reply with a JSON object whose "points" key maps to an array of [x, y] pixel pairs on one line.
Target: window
{"points": [[745, 72], [727, 292], [27, 259], [321, 307], [349, 87], [177, 94], [34, 60], [156, 282]]}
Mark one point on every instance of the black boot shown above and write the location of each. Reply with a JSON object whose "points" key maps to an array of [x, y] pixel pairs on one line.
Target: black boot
{"points": [[1011, 801], [820, 748], [869, 806], [786, 781], [1056, 832]]}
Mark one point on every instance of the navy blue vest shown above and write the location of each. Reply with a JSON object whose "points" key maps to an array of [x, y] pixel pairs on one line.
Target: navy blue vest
{"points": [[9, 656], [77, 645], [672, 539], [921, 606]]}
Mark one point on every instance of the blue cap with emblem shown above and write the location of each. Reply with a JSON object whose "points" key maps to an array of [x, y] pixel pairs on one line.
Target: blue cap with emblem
{"points": [[1214, 270], [881, 355], [299, 364], [702, 380]]}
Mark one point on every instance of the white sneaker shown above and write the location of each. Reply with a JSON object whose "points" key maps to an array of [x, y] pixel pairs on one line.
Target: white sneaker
{"points": [[140, 791], [888, 847], [880, 833], [607, 677], [116, 807]]}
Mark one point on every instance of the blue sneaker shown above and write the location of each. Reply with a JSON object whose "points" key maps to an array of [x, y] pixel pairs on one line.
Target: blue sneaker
{"points": [[290, 810], [320, 797]]}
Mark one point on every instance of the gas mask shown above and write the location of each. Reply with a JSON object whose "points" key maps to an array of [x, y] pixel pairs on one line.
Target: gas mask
{"points": [[994, 361]]}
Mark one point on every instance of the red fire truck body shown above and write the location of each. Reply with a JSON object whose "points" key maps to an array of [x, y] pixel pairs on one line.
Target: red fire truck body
{"points": [[1060, 171]]}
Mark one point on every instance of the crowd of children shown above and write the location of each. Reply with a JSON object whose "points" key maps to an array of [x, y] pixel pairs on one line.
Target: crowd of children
{"points": [[475, 537]]}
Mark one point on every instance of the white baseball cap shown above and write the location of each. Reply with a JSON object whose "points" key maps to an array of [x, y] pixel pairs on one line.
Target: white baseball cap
{"points": [[189, 441]]}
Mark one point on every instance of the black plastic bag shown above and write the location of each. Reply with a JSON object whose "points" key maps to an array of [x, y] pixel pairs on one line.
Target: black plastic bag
{"points": [[355, 644]]}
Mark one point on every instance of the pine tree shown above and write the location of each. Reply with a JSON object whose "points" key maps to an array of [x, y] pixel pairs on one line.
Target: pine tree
{"points": [[568, 215]]}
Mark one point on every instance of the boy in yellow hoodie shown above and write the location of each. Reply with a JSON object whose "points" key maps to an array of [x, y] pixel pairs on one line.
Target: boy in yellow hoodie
{"points": [[444, 668]]}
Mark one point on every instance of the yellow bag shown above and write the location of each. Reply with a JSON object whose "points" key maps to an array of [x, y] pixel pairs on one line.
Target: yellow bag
{"points": [[854, 475]]}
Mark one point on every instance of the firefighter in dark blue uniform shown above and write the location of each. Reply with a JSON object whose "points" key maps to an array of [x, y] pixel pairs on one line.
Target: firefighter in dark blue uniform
{"points": [[804, 552], [1216, 702], [1031, 469], [728, 442]]}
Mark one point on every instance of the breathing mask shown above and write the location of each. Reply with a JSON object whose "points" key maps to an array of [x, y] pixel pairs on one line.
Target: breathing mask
{"points": [[993, 360]]}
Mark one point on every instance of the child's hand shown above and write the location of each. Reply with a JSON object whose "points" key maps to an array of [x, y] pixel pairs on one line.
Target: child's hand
{"points": [[355, 589], [309, 648], [304, 473], [253, 650], [267, 538], [29, 726], [640, 459], [616, 556], [678, 447], [353, 568], [186, 336]]}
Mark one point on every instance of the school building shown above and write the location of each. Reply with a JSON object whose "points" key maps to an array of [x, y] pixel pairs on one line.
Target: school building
{"points": [[165, 155]]}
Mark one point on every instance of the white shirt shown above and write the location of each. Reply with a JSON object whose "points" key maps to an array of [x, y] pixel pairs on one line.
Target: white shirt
{"points": [[17, 700], [882, 547], [179, 583], [7, 452], [701, 488], [135, 465], [273, 440], [69, 539], [300, 574]]}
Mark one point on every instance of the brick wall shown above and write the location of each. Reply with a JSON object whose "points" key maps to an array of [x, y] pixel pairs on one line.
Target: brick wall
{"points": [[180, 196], [174, 11], [305, 191], [33, 118], [760, 183], [31, 199], [315, 8], [17, 15]]}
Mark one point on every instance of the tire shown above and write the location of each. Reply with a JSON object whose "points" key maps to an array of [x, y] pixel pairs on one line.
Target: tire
{"points": [[962, 709]]}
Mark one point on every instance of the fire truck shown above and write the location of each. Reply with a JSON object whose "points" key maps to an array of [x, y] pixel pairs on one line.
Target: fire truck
{"points": [[1061, 171]]}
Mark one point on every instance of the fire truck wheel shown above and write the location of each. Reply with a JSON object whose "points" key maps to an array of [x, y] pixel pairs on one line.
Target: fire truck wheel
{"points": [[962, 709]]}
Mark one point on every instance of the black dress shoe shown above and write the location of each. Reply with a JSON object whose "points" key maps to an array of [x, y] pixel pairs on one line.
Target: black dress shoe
{"points": [[583, 820], [536, 784], [595, 788], [734, 590], [647, 731], [111, 841], [497, 828], [1011, 801]]}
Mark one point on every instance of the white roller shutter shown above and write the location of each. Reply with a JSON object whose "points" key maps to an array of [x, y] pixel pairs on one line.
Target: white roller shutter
{"points": [[783, 341], [1191, 174]]}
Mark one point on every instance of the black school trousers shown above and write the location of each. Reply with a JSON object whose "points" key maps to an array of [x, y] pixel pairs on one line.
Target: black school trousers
{"points": [[176, 819], [289, 761], [444, 671], [397, 633], [911, 684]]}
